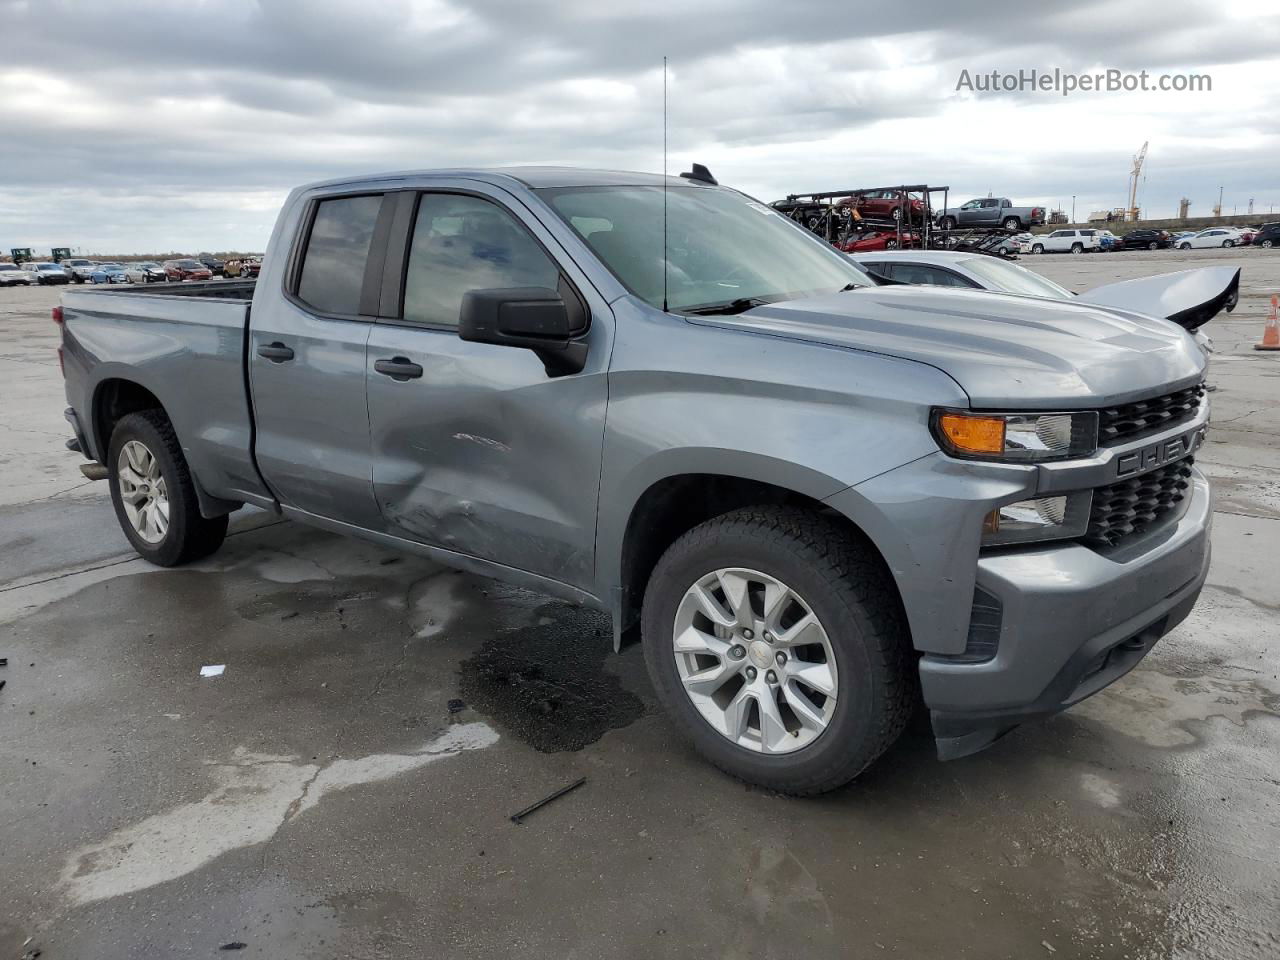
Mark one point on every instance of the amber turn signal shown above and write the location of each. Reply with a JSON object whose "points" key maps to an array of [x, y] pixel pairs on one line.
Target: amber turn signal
{"points": [[972, 434]]}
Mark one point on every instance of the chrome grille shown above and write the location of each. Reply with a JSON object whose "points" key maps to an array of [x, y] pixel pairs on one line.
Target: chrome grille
{"points": [[1128, 421], [1131, 506]]}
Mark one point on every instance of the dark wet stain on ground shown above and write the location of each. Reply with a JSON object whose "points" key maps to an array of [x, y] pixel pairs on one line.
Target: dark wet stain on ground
{"points": [[547, 685]]}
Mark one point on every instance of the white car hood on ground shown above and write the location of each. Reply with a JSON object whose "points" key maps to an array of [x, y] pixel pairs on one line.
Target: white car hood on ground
{"points": [[1190, 298]]}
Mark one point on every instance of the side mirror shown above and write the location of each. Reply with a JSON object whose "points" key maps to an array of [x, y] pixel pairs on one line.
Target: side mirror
{"points": [[551, 323]]}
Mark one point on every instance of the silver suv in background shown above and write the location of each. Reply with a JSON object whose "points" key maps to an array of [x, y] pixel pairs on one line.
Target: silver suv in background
{"points": [[81, 270]]}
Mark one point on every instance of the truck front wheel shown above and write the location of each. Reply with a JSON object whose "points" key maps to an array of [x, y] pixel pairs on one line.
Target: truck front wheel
{"points": [[777, 643], [154, 495]]}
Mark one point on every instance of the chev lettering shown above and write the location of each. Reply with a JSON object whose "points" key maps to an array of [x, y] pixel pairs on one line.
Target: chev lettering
{"points": [[1157, 454]]}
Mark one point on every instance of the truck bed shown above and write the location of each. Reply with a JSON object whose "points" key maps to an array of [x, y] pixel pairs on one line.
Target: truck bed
{"points": [[185, 344], [215, 289]]}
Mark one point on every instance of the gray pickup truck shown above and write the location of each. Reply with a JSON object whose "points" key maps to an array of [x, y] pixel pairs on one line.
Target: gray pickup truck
{"points": [[816, 500], [991, 212]]}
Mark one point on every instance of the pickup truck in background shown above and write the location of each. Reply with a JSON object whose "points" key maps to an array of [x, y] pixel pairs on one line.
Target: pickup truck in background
{"points": [[818, 501], [991, 212]]}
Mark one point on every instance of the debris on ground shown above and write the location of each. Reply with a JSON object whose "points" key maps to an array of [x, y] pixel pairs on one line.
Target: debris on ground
{"points": [[213, 670], [456, 705], [4, 661], [233, 945], [290, 616], [519, 817]]}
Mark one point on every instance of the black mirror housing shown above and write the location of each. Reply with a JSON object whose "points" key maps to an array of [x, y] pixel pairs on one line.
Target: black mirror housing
{"points": [[552, 323]]}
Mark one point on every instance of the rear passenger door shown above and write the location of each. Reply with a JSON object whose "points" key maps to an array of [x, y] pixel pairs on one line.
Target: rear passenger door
{"points": [[477, 448], [307, 361]]}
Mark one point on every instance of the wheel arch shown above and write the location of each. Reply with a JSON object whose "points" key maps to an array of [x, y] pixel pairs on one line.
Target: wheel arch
{"points": [[115, 397], [674, 503]]}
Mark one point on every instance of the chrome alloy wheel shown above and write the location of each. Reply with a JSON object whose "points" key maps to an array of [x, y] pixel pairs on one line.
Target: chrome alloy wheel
{"points": [[755, 661], [142, 491]]}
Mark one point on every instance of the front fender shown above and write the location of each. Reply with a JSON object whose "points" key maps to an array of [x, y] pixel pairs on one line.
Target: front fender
{"points": [[687, 398]]}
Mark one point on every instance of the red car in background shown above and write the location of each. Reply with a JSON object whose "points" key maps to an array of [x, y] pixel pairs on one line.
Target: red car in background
{"points": [[879, 240], [1246, 236], [884, 205], [186, 270]]}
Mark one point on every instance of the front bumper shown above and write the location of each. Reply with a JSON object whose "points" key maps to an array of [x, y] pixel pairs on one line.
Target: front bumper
{"points": [[1073, 621]]}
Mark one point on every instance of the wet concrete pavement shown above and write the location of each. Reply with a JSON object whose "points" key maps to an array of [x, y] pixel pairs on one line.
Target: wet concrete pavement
{"points": [[324, 798]]}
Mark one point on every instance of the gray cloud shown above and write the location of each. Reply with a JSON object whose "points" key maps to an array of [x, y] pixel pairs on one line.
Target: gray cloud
{"points": [[178, 124]]}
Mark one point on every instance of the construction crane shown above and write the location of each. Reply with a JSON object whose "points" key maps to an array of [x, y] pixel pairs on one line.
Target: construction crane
{"points": [[1134, 174]]}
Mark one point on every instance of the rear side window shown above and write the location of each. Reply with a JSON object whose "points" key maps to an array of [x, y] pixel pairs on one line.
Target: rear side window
{"points": [[463, 243], [920, 273], [333, 263]]}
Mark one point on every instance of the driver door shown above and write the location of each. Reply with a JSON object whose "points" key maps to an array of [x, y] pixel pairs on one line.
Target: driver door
{"points": [[969, 212], [477, 448]]}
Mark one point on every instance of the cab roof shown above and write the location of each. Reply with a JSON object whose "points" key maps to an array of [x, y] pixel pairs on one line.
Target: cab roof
{"points": [[534, 177]]}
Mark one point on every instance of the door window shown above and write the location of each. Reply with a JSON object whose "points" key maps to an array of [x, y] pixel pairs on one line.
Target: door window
{"points": [[463, 243], [337, 248], [921, 273]]}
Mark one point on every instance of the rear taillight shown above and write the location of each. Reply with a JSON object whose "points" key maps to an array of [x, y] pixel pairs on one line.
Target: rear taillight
{"points": [[57, 315]]}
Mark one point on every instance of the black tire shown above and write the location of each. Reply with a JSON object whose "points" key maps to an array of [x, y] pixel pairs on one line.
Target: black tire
{"points": [[1077, 248], [189, 536], [947, 223], [1037, 248], [1153, 245], [1012, 223], [850, 592], [1266, 243], [1228, 243]]}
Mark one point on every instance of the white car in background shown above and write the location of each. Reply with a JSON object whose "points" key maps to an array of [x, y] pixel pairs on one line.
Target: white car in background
{"points": [[1189, 298], [12, 274], [1213, 237], [1067, 241], [146, 271]]}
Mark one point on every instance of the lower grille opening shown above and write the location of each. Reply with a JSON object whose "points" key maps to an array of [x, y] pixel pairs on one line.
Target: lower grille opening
{"points": [[1129, 507], [983, 639]]}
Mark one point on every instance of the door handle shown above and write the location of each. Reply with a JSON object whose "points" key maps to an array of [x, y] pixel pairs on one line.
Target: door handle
{"points": [[276, 352], [398, 368]]}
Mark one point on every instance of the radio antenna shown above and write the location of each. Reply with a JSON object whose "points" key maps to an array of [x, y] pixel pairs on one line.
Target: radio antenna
{"points": [[664, 184]]}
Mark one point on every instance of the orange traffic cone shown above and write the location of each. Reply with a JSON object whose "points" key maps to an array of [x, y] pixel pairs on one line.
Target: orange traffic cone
{"points": [[1271, 332]]}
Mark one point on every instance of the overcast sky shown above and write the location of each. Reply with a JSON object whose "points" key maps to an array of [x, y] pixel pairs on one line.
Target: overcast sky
{"points": [[137, 126]]}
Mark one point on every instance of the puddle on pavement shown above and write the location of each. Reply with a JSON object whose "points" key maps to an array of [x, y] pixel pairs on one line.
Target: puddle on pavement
{"points": [[546, 684], [1164, 710]]}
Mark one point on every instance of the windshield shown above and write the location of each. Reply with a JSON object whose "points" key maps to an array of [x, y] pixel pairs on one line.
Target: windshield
{"points": [[78, 263], [8, 266], [48, 266], [1004, 276], [721, 247], [190, 265]]}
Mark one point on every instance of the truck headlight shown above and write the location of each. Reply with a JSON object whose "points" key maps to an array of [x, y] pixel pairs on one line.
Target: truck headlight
{"points": [[1016, 437], [1042, 518]]}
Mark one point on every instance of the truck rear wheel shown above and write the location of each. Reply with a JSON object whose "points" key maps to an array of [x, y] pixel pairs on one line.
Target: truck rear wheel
{"points": [[777, 643], [154, 495]]}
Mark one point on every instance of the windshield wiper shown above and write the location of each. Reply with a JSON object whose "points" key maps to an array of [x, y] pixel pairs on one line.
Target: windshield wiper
{"points": [[740, 305]]}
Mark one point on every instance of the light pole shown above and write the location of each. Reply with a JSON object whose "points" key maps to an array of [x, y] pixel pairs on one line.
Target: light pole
{"points": [[1073, 208]]}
